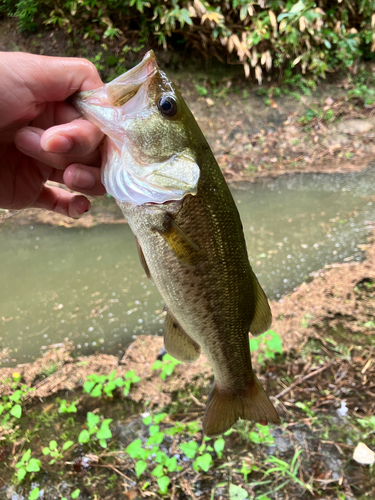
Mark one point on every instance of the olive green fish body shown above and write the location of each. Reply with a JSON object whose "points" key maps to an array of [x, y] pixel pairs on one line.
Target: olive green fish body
{"points": [[190, 240]]}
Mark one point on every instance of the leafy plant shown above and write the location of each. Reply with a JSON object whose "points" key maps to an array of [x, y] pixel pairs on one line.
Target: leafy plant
{"points": [[96, 385], [10, 407], [27, 464], [301, 40], [269, 343], [167, 366], [102, 432], [284, 469], [55, 453]]}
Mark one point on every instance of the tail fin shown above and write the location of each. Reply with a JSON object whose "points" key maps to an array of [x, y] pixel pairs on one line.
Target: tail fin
{"points": [[225, 408]]}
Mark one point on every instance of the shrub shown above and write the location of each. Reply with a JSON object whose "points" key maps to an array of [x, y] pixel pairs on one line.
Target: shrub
{"points": [[263, 35]]}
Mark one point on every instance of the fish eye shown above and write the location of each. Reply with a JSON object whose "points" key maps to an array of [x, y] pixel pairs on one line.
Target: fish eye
{"points": [[167, 105]]}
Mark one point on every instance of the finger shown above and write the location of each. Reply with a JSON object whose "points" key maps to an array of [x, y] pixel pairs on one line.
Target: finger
{"points": [[62, 202], [79, 137], [84, 179], [28, 141]]}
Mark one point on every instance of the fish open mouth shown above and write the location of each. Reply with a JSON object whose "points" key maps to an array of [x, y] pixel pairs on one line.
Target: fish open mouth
{"points": [[123, 88]]}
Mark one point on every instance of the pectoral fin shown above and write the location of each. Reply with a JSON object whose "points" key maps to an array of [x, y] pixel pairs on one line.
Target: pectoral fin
{"points": [[178, 343], [143, 260], [181, 245], [262, 319]]}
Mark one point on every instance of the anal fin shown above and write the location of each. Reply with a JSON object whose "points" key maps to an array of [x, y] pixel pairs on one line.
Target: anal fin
{"points": [[143, 260], [224, 408], [178, 343], [179, 242], [262, 318]]}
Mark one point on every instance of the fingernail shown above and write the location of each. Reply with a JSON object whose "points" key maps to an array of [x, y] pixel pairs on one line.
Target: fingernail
{"points": [[58, 144], [78, 206], [83, 179], [28, 141]]}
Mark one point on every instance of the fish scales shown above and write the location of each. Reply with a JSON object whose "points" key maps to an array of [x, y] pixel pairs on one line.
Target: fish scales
{"points": [[162, 173]]}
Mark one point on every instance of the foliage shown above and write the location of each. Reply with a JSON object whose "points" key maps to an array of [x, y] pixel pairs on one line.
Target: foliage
{"points": [[55, 453], [10, 407], [96, 385], [102, 432], [269, 343], [27, 464], [166, 365], [261, 35]]}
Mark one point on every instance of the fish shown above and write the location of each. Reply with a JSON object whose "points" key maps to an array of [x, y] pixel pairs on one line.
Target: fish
{"points": [[161, 171]]}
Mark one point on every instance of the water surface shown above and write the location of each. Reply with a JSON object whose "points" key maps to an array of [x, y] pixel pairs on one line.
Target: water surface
{"points": [[86, 285]]}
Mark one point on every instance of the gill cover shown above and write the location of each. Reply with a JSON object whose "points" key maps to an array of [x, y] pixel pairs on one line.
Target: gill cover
{"points": [[146, 156]]}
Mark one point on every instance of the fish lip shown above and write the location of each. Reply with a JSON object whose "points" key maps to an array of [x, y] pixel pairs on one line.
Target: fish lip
{"points": [[123, 88]]}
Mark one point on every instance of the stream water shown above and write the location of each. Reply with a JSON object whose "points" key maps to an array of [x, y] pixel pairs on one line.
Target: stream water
{"points": [[86, 285]]}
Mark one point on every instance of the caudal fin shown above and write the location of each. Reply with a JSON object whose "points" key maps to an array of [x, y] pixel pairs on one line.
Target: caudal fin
{"points": [[224, 408]]}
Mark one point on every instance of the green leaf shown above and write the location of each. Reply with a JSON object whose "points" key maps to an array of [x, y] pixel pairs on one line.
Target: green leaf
{"points": [[204, 462], [153, 429], [16, 411], [237, 493], [103, 443], [33, 465], [171, 464], [97, 391], [84, 436], [160, 417], [45, 451], [52, 445], [67, 445], [21, 474], [88, 386], [76, 493], [189, 449], [34, 494], [156, 438], [163, 483], [140, 467], [16, 396], [104, 432], [26, 456], [219, 446], [134, 449], [158, 471], [147, 420], [92, 419]]}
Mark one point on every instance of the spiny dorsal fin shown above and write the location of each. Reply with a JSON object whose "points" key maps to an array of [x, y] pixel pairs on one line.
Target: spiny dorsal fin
{"points": [[181, 245], [177, 343], [262, 319], [143, 260], [224, 408]]}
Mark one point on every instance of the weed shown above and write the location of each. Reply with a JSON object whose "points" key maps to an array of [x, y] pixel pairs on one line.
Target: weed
{"points": [[96, 385], [270, 343], [27, 464], [55, 453], [284, 469], [167, 366], [102, 432]]}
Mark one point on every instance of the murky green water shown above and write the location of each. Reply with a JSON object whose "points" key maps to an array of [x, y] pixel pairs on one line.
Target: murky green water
{"points": [[87, 285]]}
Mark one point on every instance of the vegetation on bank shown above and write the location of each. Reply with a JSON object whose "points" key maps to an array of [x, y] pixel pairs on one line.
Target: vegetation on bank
{"points": [[97, 443], [268, 37]]}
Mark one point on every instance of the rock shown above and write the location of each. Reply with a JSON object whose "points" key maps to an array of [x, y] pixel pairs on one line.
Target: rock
{"points": [[363, 455], [355, 126]]}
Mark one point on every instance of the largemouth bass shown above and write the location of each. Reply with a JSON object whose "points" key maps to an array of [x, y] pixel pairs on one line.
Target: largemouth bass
{"points": [[162, 173]]}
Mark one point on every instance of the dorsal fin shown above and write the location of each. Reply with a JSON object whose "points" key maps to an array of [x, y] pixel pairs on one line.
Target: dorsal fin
{"points": [[178, 343], [262, 319]]}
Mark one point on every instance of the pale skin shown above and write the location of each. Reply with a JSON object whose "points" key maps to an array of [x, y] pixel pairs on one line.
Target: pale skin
{"points": [[43, 137]]}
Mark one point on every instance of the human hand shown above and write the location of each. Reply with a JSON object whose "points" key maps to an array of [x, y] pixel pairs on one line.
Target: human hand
{"points": [[42, 137]]}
